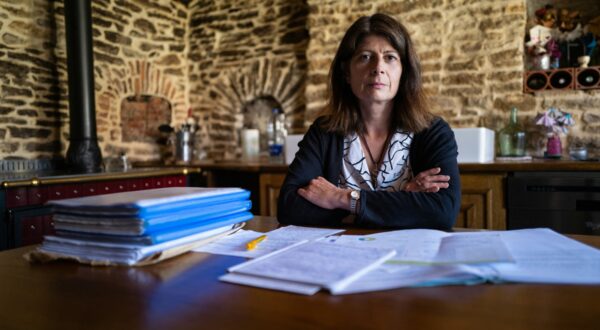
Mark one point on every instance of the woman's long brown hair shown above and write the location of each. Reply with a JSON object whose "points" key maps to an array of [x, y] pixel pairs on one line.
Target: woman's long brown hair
{"points": [[411, 107]]}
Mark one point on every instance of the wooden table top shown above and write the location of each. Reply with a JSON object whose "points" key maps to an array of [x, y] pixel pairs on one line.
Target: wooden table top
{"points": [[184, 292]]}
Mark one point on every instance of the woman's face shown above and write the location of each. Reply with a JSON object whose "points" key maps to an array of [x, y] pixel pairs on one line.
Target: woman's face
{"points": [[375, 71]]}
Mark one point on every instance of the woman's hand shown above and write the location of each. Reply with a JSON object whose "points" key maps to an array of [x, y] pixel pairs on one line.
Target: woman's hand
{"points": [[428, 181], [323, 193]]}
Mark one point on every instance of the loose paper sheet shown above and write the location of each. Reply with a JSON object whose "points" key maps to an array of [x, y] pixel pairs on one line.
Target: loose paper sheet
{"points": [[331, 266], [422, 246], [269, 283], [544, 256], [235, 245], [411, 276]]}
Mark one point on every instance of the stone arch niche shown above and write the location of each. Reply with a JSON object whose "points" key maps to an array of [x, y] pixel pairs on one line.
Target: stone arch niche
{"points": [[135, 99], [141, 115], [256, 114], [245, 96]]}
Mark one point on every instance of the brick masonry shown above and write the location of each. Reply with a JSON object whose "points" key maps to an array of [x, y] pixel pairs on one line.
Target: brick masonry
{"points": [[240, 51], [139, 49], [216, 57]]}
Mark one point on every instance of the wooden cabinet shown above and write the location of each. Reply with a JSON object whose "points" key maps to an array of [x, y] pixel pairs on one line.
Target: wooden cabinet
{"points": [[269, 184], [482, 207], [483, 201], [484, 192], [25, 219]]}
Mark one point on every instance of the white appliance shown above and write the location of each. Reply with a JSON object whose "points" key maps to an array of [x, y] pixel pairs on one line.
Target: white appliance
{"points": [[291, 146], [475, 145]]}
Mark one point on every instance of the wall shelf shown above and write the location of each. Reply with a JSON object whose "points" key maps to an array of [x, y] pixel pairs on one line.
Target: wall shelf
{"points": [[561, 79]]}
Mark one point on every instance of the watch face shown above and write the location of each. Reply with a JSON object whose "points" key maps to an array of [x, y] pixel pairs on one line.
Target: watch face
{"points": [[355, 194]]}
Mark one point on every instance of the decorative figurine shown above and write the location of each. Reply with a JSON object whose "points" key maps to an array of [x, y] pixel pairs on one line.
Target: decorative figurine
{"points": [[556, 122], [575, 41], [583, 61], [569, 25], [540, 37]]}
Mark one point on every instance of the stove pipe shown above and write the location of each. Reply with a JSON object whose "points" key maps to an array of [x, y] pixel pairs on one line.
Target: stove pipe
{"points": [[83, 154]]}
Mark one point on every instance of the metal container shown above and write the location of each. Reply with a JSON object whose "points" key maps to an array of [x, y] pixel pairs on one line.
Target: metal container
{"points": [[578, 153], [184, 142]]}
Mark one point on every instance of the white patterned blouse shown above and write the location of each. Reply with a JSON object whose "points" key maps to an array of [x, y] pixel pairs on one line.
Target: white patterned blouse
{"points": [[394, 172]]}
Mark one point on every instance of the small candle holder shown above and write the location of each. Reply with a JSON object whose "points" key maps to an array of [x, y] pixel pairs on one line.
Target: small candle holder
{"points": [[583, 61], [553, 146], [556, 122]]}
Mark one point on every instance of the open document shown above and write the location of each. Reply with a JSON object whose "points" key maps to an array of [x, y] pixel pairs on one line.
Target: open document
{"points": [[431, 258], [318, 264], [433, 247], [540, 256]]}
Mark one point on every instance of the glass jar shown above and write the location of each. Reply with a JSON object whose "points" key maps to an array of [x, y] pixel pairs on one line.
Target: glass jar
{"points": [[553, 146], [512, 138]]}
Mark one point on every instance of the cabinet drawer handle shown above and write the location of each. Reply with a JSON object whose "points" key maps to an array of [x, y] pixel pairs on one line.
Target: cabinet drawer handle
{"points": [[17, 197], [32, 227]]}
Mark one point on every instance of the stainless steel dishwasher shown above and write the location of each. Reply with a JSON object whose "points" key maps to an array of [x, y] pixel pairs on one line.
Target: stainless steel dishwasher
{"points": [[568, 202]]}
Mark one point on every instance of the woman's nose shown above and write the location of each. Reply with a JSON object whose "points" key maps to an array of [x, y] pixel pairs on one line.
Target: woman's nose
{"points": [[377, 66]]}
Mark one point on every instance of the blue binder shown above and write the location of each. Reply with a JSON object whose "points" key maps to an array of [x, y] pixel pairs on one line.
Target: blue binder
{"points": [[165, 235], [136, 225], [146, 203]]}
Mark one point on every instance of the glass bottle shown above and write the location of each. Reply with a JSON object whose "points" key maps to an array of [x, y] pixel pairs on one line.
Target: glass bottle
{"points": [[512, 138], [276, 132]]}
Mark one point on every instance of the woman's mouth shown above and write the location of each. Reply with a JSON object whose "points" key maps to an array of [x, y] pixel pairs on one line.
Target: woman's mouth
{"points": [[377, 85]]}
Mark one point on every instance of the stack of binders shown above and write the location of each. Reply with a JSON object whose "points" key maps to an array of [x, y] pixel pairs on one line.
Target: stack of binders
{"points": [[143, 227]]}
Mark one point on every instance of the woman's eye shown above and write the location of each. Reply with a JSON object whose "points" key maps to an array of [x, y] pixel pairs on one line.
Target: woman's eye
{"points": [[364, 57], [391, 58]]}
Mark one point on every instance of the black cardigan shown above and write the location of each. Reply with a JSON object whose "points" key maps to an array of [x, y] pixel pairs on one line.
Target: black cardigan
{"points": [[320, 154]]}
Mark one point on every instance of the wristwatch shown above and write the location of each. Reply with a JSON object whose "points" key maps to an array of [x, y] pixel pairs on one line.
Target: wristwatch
{"points": [[354, 197]]}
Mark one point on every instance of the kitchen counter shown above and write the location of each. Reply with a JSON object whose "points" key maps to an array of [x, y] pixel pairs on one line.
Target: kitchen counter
{"points": [[535, 164], [23, 179], [271, 165]]}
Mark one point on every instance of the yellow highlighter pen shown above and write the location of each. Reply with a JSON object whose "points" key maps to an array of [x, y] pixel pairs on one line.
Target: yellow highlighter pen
{"points": [[253, 243]]}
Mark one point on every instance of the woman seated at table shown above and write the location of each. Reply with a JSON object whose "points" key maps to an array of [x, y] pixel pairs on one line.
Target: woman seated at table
{"points": [[357, 162]]}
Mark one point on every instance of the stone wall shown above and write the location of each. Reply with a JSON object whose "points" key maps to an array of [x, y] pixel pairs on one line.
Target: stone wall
{"points": [[472, 57], [139, 49], [468, 50], [240, 51], [29, 87], [219, 57]]}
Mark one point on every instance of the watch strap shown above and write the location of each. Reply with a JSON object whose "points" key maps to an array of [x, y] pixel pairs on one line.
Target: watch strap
{"points": [[354, 197]]}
